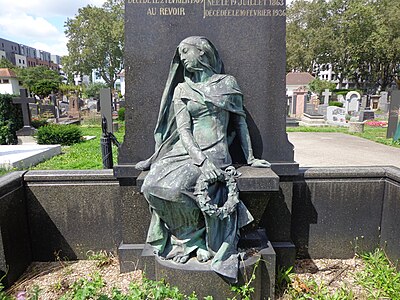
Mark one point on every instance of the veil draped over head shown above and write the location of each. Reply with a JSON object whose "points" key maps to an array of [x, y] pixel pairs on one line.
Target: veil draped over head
{"points": [[165, 133]]}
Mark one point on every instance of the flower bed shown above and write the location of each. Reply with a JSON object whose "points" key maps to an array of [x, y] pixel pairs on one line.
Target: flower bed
{"points": [[374, 123]]}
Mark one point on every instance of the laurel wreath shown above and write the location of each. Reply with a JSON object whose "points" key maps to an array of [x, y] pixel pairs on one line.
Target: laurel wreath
{"points": [[204, 200]]}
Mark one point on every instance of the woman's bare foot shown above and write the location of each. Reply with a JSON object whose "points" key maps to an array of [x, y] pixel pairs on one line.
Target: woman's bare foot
{"points": [[181, 258], [203, 255]]}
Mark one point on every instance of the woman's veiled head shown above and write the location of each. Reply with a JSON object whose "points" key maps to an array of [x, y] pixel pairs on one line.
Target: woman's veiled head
{"points": [[198, 52]]}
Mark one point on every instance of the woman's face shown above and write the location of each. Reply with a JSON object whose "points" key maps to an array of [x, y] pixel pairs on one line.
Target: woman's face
{"points": [[190, 56]]}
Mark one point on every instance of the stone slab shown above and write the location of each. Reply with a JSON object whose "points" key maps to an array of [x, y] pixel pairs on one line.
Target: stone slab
{"points": [[337, 217], [24, 156], [390, 233], [72, 212]]}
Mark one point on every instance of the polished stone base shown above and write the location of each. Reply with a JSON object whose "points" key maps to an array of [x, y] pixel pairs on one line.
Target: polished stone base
{"points": [[198, 277]]}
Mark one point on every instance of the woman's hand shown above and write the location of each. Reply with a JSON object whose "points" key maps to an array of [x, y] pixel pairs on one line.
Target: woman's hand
{"points": [[210, 171], [143, 165], [259, 163]]}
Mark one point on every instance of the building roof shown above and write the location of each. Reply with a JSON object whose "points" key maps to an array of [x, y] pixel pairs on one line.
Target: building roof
{"points": [[5, 72], [299, 78]]}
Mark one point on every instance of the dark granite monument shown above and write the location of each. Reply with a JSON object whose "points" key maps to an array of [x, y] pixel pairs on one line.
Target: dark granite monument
{"points": [[250, 36]]}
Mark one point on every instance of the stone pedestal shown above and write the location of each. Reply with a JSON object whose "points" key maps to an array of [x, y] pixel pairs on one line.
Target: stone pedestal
{"points": [[198, 277], [356, 127]]}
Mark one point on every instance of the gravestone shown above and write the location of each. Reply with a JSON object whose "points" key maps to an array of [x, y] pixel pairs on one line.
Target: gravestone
{"points": [[254, 53], [47, 111], [322, 108], [299, 100], [34, 109], [24, 100], [364, 102], [384, 102], [92, 104], [366, 115], [374, 99], [393, 114], [326, 95], [106, 107], [53, 100], [352, 102], [73, 107], [336, 115]]}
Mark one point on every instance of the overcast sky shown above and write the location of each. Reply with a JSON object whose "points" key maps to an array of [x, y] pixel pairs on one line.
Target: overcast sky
{"points": [[40, 23]]}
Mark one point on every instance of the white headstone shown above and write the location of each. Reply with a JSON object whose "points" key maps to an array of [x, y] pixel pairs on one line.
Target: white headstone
{"points": [[336, 115], [352, 101], [326, 95]]}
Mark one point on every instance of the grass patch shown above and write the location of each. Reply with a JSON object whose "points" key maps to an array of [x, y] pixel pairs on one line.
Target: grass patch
{"points": [[82, 156], [380, 279], [317, 129], [375, 134]]}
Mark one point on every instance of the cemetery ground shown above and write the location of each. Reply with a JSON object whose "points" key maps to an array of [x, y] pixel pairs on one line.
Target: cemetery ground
{"points": [[369, 276], [366, 276]]}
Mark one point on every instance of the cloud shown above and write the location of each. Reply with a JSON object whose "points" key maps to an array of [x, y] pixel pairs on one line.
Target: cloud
{"points": [[27, 26], [33, 22], [47, 8]]}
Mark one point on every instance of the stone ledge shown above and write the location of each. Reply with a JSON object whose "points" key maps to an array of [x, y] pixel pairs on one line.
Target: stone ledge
{"points": [[282, 168], [343, 172], [251, 180], [11, 181], [69, 175]]}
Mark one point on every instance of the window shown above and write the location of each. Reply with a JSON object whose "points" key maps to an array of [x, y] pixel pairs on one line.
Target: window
{"points": [[20, 82], [19, 60], [6, 81]]}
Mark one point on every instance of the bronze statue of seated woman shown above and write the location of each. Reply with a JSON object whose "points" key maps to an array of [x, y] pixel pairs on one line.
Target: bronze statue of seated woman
{"points": [[191, 185]]}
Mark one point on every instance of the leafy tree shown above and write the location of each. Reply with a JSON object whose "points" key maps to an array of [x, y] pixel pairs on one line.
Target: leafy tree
{"points": [[318, 85], [96, 41], [360, 38], [10, 120], [305, 33], [40, 80], [5, 63], [67, 89], [93, 90]]}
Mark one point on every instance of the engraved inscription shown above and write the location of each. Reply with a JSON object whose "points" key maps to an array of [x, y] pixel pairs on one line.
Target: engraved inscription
{"points": [[214, 8]]}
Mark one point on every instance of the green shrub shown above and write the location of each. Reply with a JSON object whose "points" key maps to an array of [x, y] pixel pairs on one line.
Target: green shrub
{"points": [[59, 134], [38, 123], [7, 135], [121, 114], [10, 120], [335, 103]]}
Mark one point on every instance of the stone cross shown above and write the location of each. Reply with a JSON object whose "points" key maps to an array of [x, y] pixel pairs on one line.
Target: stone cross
{"points": [[326, 95], [24, 101]]}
